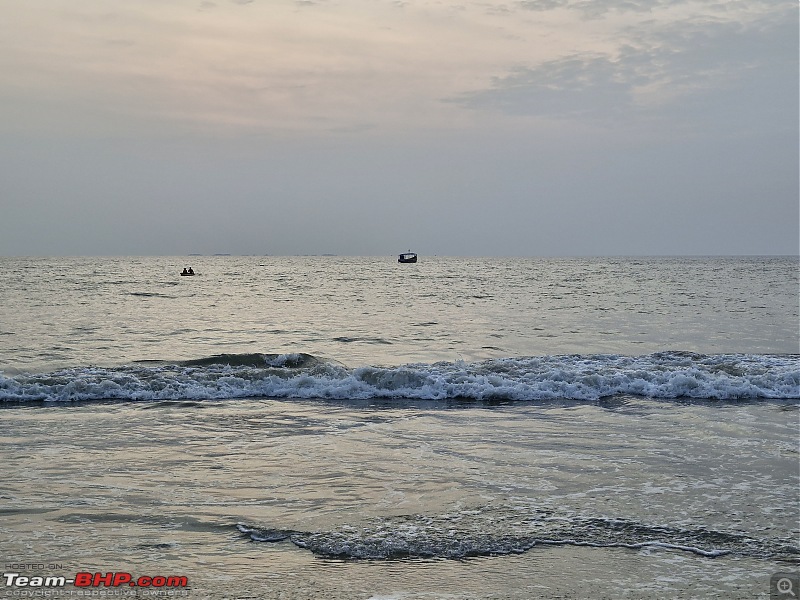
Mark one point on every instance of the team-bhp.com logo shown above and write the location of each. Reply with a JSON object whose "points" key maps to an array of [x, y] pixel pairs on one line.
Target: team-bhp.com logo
{"points": [[84, 580]]}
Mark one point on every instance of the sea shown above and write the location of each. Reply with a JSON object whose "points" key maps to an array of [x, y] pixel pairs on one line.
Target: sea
{"points": [[354, 428]]}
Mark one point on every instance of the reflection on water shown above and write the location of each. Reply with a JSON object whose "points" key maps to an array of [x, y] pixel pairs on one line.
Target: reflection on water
{"points": [[360, 311], [655, 488], [525, 481]]}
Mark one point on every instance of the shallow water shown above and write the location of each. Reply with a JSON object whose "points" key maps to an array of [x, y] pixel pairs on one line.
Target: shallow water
{"points": [[625, 498]]}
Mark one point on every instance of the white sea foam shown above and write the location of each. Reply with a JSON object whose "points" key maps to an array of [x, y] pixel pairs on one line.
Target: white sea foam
{"points": [[573, 377]]}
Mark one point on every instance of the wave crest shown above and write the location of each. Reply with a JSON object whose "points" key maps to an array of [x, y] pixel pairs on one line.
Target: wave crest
{"points": [[666, 375]]}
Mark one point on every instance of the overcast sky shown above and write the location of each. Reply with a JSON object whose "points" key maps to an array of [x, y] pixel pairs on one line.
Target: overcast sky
{"points": [[368, 127]]}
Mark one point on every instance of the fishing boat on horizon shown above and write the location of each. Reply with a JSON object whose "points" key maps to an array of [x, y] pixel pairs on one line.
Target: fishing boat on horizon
{"points": [[407, 257]]}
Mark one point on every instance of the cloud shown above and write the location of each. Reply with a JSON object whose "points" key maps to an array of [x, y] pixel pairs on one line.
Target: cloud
{"points": [[698, 68], [577, 84], [596, 9], [336, 65]]}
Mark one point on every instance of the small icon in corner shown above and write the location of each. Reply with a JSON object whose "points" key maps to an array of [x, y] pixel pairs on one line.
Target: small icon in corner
{"points": [[784, 586]]}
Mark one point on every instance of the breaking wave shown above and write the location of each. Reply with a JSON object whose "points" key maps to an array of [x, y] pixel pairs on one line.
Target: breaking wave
{"points": [[663, 375]]}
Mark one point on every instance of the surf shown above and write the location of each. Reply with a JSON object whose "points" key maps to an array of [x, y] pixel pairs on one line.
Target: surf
{"points": [[663, 375]]}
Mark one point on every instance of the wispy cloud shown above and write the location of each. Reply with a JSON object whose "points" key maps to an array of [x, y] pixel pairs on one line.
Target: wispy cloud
{"points": [[696, 66], [275, 65]]}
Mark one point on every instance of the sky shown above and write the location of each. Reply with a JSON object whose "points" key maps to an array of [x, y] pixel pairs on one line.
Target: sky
{"points": [[370, 127]]}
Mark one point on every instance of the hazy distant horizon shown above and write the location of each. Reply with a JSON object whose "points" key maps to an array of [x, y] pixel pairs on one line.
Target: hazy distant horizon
{"points": [[422, 255]]}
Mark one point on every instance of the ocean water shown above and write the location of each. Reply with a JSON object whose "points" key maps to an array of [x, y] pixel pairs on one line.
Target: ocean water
{"points": [[339, 427]]}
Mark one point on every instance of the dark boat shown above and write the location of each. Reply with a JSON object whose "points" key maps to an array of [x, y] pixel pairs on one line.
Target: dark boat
{"points": [[407, 257], [186, 272]]}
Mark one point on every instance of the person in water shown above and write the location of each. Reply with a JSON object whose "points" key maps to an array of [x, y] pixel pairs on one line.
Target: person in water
{"points": [[184, 272], [191, 272]]}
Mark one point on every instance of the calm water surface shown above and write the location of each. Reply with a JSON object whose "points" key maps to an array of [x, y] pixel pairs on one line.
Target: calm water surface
{"points": [[67, 312]]}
